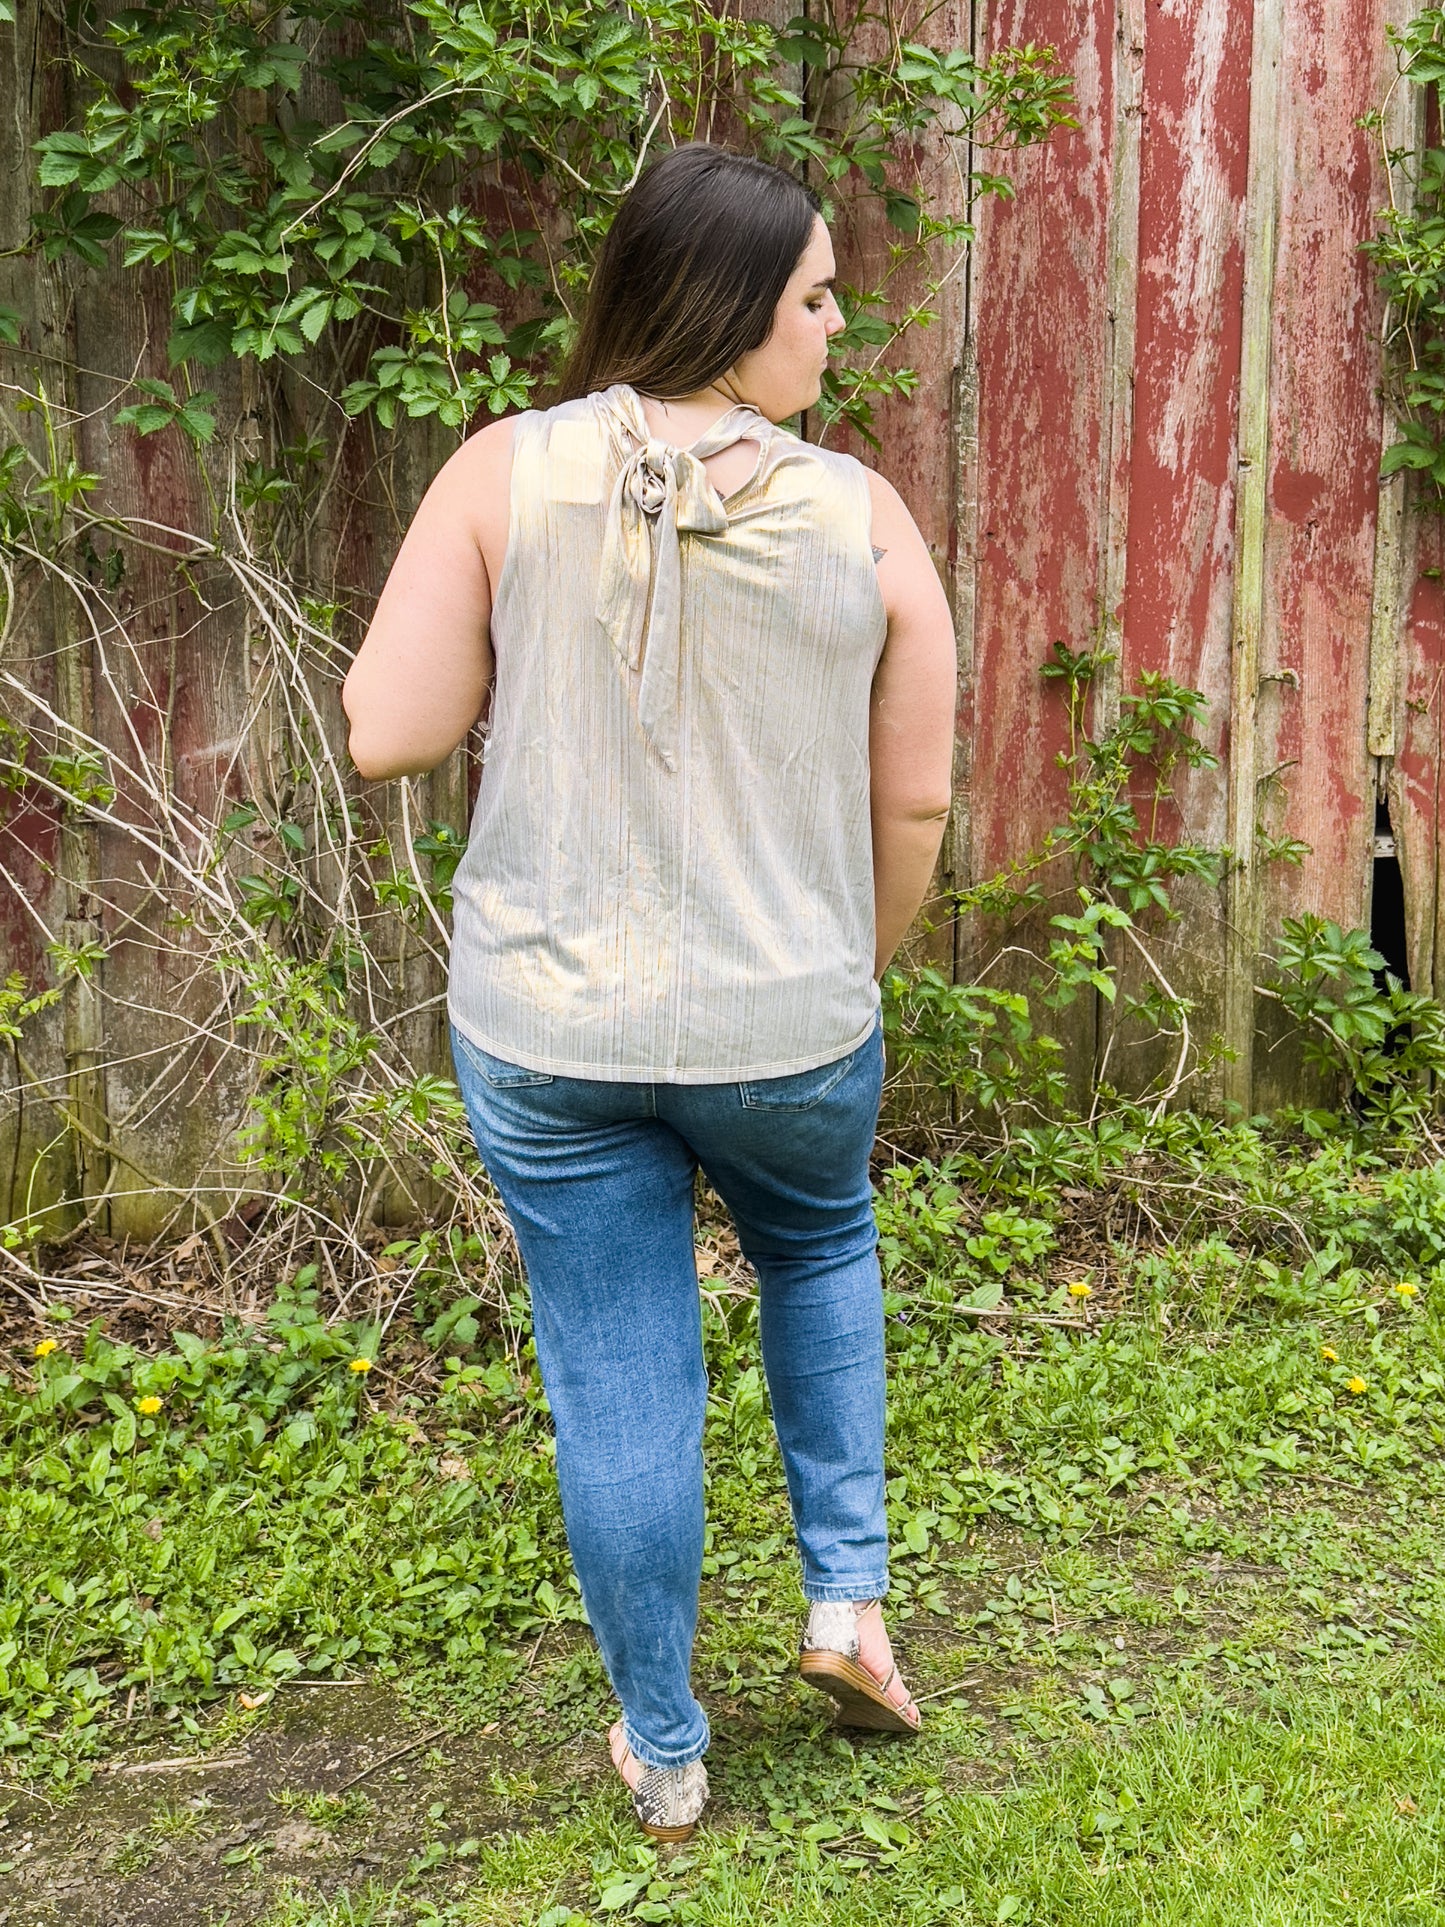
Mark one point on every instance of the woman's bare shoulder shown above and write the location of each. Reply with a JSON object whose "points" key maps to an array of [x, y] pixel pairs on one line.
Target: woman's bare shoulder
{"points": [[890, 511], [485, 456]]}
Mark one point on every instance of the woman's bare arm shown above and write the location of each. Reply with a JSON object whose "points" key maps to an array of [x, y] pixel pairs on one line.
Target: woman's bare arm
{"points": [[910, 742], [422, 672]]}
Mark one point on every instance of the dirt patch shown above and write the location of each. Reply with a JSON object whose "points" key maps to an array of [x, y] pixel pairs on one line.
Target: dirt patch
{"points": [[335, 1785]]}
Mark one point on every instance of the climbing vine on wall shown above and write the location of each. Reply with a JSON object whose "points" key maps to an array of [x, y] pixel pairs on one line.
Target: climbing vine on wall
{"points": [[1409, 254], [355, 224], [411, 202]]}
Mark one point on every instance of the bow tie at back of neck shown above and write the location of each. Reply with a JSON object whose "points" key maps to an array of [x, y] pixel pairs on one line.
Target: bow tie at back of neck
{"points": [[659, 491]]}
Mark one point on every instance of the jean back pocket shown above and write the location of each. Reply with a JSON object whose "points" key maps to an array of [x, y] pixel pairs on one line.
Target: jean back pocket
{"points": [[501, 1075], [799, 1090]]}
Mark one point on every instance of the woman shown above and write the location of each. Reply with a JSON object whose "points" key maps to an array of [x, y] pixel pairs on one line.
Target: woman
{"points": [[716, 773]]}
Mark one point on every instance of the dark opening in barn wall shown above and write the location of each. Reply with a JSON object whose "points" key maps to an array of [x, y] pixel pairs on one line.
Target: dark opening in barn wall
{"points": [[1387, 901]]}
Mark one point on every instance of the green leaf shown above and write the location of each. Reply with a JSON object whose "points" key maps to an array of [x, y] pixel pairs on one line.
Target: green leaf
{"points": [[146, 418], [875, 1828], [985, 1297], [1407, 455], [301, 1430], [195, 419], [208, 342], [620, 1894], [915, 1537], [279, 66], [64, 156], [314, 319]]}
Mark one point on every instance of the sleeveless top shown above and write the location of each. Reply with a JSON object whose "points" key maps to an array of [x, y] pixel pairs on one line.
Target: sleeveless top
{"points": [[669, 872]]}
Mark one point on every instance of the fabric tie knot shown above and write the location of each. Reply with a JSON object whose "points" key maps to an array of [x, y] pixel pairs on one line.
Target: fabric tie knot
{"points": [[660, 492], [657, 474]]}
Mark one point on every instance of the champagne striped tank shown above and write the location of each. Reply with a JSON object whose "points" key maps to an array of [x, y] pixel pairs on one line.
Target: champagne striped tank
{"points": [[669, 871]]}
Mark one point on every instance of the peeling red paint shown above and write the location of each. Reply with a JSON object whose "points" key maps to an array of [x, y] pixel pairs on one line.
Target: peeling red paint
{"points": [[1042, 331], [1193, 170], [1325, 427]]}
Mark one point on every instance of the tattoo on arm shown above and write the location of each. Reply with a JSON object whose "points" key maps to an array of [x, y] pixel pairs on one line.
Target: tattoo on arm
{"points": [[878, 554]]}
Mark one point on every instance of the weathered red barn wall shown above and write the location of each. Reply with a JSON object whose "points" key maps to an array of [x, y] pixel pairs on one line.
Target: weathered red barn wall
{"points": [[1148, 424], [1109, 311]]}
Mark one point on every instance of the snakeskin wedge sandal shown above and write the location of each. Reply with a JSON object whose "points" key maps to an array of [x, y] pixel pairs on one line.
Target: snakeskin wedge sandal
{"points": [[828, 1659], [668, 1800]]}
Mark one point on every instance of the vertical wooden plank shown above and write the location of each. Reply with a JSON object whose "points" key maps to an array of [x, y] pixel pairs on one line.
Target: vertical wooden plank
{"points": [[83, 1020], [1393, 561], [1407, 638], [1261, 216], [158, 670], [1044, 341], [49, 854], [1324, 442], [1176, 613], [1417, 797], [1403, 130], [1116, 439], [1122, 318], [918, 437], [957, 856]]}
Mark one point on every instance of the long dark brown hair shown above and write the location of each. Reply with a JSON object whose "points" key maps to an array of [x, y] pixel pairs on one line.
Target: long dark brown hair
{"points": [[690, 273]]}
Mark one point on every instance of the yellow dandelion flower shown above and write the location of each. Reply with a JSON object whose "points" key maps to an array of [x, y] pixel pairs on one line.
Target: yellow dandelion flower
{"points": [[1355, 1385], [1329, 1354], [148, 1406], [45, 1348], [359, 1365], [1405, 1289], [1080, 1290]]}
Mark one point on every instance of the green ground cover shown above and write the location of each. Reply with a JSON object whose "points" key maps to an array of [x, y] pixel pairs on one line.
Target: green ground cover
{"points": [[1167, 1484]]}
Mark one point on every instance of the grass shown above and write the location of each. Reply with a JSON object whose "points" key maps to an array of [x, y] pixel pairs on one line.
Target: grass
{"points": [[1170, 1569]]}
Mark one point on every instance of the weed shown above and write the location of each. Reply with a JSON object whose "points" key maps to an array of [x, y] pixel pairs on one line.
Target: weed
{"points": [[325, 1809]]}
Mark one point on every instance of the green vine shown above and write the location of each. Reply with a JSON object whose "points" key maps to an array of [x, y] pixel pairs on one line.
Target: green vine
{"points": [[409, 206], [982, 1044], [1382, 1047], [1409, 257]]}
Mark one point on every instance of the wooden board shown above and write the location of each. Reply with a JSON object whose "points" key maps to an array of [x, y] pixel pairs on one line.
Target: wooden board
{"points": [[1324, 443], [1042, 330], [1177, 571]]}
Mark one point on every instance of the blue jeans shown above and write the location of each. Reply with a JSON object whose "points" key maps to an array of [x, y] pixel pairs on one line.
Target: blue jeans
{"points": [[597, 1179]]}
